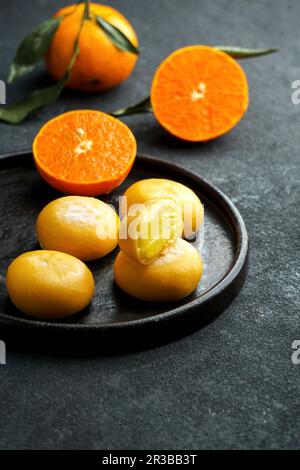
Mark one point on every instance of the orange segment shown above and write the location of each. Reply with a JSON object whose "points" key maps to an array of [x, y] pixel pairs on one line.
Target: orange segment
{"points": [[199, 93], [84, 152]]}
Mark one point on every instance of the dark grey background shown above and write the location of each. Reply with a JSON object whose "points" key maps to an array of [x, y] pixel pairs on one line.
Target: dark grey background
{"points": [[232, 384]]}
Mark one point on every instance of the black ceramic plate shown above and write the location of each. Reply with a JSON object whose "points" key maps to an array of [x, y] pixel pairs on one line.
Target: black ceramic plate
{"points": [[113, 317]]}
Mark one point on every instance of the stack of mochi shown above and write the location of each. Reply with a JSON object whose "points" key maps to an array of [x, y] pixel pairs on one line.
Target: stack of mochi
{"points": [[156, 263]]}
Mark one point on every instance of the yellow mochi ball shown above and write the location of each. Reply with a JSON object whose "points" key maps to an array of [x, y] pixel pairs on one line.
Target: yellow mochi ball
{"points": [[80, 226], [172, 276], [153, 188], [49, 284], [149, 229]]}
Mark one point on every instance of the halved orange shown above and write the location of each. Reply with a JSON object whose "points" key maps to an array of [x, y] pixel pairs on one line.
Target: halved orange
{"points": [[199, 93], [84, 152]]}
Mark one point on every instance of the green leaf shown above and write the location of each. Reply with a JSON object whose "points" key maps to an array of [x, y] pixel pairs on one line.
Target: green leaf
{"points": [[33, 49], [244, 53], [116, 36], [141, 107], [38, 99]]}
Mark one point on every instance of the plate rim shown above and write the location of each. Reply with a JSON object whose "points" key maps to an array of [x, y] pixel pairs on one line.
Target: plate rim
{"points": [[239, 262]]}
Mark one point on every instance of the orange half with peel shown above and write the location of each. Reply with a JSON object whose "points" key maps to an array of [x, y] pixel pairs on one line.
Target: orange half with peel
{"points": [[84, 152], [199, 93]]}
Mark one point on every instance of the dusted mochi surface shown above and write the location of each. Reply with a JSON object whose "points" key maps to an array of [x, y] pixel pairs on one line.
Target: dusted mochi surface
{"points": [[49, 284], [172, 276], [84, 227]]}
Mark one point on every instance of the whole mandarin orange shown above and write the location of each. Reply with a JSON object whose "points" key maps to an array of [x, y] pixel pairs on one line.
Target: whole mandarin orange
{"points": [[100, 65]]}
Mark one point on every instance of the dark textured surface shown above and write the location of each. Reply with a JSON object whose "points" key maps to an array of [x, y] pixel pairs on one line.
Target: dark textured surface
{"points": [[232, 384]]}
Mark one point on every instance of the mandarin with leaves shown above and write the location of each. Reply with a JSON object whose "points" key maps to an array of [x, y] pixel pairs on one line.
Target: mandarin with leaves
{"points": [[198, 92], [107, 47]]}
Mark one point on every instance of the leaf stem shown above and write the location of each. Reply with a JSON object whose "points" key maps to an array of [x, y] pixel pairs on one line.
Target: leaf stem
{"points": [[245, 53], [76, 43], [143, 106], [38, 99], [86, 13]]}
